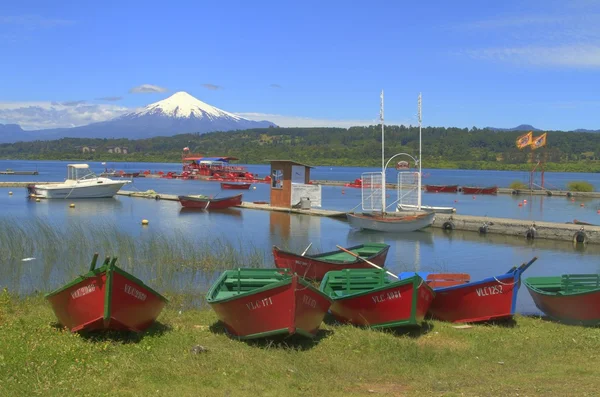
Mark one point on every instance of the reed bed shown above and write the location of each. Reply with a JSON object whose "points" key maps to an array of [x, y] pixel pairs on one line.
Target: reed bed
{"points": [[38, 256]]}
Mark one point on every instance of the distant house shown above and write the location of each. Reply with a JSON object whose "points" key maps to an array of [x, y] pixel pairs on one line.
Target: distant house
{"points": [[117, 149], [87, 149]]}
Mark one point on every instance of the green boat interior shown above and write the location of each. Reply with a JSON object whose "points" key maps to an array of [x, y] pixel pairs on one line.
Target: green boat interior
{"points": [[566, 284], [241, 281], [364, 251], [353, 281]]}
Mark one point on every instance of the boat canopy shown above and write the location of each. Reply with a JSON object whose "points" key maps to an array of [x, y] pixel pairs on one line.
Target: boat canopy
{"points": [[79, 165], [200, 158]]}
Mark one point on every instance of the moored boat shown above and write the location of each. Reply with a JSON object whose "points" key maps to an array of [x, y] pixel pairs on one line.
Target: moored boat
{"points": [[256, 303], [235, 186], [479, 190], [398, 222], [206, 202], [570, 298], [366, 297], [81, 182], [441, 188], [427, 208], [492, 298], [357, 183], [314, 267], [106, 298]]}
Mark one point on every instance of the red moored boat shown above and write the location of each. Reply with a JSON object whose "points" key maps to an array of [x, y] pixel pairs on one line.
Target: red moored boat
{"points": [[441, 188], [365, 297], [356, 183], [493, 298], [235, 186], [106, 298], [479, 190], [257, 303], [314, 267], [205, 202]]}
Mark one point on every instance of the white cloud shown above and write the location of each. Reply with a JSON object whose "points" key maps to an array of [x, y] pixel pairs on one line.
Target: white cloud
{"points": [[146, 89], [297, 121], [41, 115], [582, 56]]}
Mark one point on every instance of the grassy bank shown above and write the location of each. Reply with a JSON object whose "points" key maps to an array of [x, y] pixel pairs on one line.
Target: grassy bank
{"points": [[533, 357]]}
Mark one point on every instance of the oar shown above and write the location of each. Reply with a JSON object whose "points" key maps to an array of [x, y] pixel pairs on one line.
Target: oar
{"points": [[212, 198], [306, 249], [367, 261]]}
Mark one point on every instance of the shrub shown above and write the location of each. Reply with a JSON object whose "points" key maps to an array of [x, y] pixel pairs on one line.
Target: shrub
{"points": [[580, 186], [517, 185]]}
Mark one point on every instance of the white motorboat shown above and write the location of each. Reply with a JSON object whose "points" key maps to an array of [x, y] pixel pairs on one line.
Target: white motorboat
{"points": [[81, 182], [390, 222], [428, 208]]}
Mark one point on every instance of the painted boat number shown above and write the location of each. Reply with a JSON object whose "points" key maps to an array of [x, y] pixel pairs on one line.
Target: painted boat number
{"points": [[492, 290], [307, 300], [386, 296], [134, 292], [79, 292], [301, 263], [259, 304]]}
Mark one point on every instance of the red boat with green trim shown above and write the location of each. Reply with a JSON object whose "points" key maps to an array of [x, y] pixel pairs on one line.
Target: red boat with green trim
{"points": [[570, 298], [314, 267], [106, 298], [258, 303], [203, 202], [479, 190], [366, 297], [461, 301]]}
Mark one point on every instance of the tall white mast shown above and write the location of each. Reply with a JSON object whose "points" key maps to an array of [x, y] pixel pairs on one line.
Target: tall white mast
{"points": [[420, 171], [382, 156]]}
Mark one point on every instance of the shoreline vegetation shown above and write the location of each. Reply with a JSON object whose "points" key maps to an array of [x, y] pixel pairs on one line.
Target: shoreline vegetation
{"points": [[187, 353], [443, 148]]}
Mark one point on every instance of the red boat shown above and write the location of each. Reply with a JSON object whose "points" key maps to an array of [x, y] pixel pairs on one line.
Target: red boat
{"points": [[356, 183], [493, 298], [257, 303], [480, 190], [314, 267], [106, 298], [234, 186], [441, 188], [365, 297], [205, 202]]}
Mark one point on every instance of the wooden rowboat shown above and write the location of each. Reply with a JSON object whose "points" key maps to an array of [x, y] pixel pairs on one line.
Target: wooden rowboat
{"points": [[479, 190], [206, 203], [106, 298], [571, 298], [235, 186], [257, 303], [441, 188], [366, 297], [493, 298], [314, 267]]}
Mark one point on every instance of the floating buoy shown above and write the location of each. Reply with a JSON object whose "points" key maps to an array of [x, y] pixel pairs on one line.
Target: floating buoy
{"points": [[525, 201], [145, 222], [37, 200], [343, 192], [32, 195], [582, 205], [456, 201], [520, 204], [473, 197], [10, 193], [572, 199], [254, 187], [598, 212], [72, 205]]}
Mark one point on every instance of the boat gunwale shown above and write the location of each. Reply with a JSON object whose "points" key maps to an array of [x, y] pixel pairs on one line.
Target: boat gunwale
{"points": [[560, 293], [391, 284], [321, 257]]}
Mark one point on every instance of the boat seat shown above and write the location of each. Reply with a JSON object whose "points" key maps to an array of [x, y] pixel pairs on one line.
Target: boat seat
{"points": [[253, 282], [572, 282], [227, 294]]}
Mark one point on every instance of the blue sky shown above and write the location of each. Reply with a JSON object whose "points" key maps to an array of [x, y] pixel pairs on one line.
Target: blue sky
{"points": [[306, 63]]}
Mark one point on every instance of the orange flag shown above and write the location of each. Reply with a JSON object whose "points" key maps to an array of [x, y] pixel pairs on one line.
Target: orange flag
{"points": [[539, 141], [525, 140]]}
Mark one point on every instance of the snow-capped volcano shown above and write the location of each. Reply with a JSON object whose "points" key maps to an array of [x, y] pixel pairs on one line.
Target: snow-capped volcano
{"points": [[183, 105], [178, 114]]}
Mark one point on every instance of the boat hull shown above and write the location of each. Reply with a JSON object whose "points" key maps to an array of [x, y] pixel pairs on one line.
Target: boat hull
{"points": [[392, 224], [315, 269], [106, 300], [429, 208], [486, 300], [210, 204], [402, 303], [441, 188], [479, 190], [293, 307], [103, 190], [235, 186]]}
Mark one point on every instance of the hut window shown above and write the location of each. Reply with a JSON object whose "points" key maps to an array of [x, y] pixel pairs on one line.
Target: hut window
{"points": [[277, 179]]}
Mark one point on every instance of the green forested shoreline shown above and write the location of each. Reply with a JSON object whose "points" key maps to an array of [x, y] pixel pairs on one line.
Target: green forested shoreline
{"points": [[357, 146]]}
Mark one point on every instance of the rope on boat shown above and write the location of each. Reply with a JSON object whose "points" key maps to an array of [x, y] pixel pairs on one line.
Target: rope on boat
{"points": [[508, 284]]}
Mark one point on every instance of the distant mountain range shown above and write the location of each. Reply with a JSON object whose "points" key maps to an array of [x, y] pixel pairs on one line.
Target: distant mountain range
{"points": [[179, 113], [529, 127]]}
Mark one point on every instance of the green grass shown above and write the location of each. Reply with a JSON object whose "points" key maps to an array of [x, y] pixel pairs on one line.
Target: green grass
{"points": [[518, 185], [535, 357], [580, 186]]}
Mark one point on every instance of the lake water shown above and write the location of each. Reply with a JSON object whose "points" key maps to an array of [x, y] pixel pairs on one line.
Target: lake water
{"points": [[481, 256]]}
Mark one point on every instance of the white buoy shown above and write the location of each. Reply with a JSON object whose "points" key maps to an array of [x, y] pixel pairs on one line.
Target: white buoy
{"points": [[10, 193], [72, 205], [37, 200], [254, 187], [145, 222]]}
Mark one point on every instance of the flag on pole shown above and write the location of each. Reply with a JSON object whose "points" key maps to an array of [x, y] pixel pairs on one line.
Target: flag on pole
{"points": [[525, 140], [538, 142]]}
